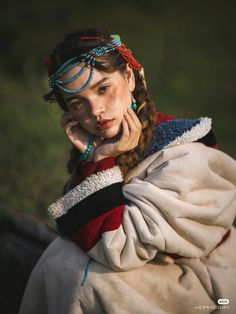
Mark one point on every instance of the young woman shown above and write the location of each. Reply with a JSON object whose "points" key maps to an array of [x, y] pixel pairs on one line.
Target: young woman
{"points": [[145, 222]]}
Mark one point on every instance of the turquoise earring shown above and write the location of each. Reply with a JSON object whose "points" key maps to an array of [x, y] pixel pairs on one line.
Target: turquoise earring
{"points": [[134, 105]]}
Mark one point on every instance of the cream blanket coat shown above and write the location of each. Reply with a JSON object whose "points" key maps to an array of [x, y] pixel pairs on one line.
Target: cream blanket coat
{"points": [[182, 200]]}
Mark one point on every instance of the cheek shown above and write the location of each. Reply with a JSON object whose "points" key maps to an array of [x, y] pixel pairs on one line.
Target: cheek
{"points": [[119, 100], [82, 117]]}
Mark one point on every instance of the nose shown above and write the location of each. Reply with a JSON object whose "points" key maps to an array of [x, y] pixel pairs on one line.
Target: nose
{"points": [[97, 107]]}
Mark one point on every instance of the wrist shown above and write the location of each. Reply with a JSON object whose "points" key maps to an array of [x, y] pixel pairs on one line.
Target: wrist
{"points": [[98, 157]]}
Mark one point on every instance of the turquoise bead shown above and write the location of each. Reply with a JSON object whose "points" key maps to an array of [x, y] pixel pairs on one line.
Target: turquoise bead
{"points": [[89, 58], [88, 149], [134, 106]]}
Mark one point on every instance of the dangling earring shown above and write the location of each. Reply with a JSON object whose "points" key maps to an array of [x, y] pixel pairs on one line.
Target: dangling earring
{"points": [[134, 104]]}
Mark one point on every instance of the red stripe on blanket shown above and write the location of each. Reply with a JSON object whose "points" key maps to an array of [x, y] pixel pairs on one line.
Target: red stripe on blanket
{"points": [[215, 146], [90, 234], [86, 169]]}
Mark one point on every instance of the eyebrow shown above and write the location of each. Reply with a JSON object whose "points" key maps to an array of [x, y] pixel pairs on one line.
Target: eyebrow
{"points": [[99, 83], [91, 87]]}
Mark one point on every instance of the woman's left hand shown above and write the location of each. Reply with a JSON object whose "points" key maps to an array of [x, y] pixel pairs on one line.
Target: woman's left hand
{"points": [[128, 140]]}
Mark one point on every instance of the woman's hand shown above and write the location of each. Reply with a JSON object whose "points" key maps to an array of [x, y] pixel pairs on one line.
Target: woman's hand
{"points": [[78, 136], [128, 140]]}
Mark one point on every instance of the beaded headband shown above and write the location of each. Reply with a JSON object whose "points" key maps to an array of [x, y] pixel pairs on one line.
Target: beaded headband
{"points": [[89, 59]]}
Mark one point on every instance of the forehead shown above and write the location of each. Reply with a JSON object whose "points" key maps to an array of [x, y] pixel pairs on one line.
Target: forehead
{"points": [[89, 78], [84, 76]]}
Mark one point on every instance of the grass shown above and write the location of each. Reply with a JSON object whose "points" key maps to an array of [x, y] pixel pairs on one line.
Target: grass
{"points": [[34, 149]]}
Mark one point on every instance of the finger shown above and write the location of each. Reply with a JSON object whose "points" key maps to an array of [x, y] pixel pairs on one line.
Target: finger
{"points": [[124, 140], [135, 131], [132, 139], [73, 128], [133, 122], [71, 124], [75, 137], [130, 121], [134, 117], [66, 118], [125, 134], [97, 141], [125, 128], [69, 131]]}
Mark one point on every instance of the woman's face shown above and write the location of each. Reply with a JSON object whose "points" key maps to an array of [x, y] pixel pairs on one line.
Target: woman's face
{"points": [[101, 106]]}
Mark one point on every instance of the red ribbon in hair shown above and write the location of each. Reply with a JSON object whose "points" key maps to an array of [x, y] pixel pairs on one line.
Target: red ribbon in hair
{"points": [[126, 53]]}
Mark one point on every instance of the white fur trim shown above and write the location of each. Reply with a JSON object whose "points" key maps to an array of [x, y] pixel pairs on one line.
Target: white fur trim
{"points": [[87, 187], [194, 134]]}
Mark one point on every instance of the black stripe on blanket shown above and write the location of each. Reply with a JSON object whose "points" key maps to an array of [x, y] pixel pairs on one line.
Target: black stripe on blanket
{"points": [[90, 208], [208, 139]]}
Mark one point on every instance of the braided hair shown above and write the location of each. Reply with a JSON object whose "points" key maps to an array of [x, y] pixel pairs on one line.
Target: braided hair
{"points": [[108, 63]]}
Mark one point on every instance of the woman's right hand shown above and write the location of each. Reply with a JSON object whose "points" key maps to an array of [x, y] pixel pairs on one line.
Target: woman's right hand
{"points": [[78, 136]]}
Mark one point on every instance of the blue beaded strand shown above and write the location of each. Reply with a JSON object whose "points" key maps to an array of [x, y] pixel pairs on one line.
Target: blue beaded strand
{"points": [[72, 78], [64, 65], [88, 149], [89, 58], [80, 90]]}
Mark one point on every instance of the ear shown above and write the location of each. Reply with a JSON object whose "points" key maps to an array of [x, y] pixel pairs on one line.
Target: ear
{"points": [[130, 78]]}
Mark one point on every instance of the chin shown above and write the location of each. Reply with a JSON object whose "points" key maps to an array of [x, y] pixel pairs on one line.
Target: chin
{"points": [[110, 133]]}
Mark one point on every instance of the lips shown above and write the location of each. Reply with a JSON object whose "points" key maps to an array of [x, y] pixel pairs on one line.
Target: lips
{"points": [[104, 124]]}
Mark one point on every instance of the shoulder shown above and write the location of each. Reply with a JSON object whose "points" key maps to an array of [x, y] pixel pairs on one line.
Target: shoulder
{"points": [[176, 132]]}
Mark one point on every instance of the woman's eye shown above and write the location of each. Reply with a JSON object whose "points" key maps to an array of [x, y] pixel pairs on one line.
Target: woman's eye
{"points": [[76, 105], [103, 89]]}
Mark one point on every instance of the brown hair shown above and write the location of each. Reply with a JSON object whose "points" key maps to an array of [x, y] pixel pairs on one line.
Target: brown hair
{"points": [[109, 62]]}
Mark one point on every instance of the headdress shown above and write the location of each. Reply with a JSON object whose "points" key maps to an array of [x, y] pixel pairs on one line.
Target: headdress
{"points": [[89, 59]]}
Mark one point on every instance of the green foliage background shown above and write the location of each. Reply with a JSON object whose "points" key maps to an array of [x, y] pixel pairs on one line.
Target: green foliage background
{"points": [[186, 47]]}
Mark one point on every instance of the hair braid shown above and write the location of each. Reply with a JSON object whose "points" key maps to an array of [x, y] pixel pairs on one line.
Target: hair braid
{"points": [[147, 117]]}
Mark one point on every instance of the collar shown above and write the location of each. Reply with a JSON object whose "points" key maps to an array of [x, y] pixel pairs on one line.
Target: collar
{"points": [[177, 132]]}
